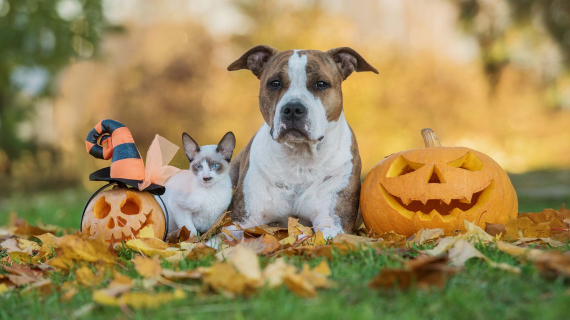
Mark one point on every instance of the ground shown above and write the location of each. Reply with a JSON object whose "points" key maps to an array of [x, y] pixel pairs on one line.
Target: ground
{"points": [[479, 292]]}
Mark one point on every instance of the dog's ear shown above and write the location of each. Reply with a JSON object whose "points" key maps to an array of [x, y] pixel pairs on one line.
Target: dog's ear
{"points": [[191, 147], [227, 145], [253, 59], [348, 60]]}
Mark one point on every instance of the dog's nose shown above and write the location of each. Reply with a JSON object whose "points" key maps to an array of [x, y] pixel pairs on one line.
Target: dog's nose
{"points": [[207, 178], [293, 110]]}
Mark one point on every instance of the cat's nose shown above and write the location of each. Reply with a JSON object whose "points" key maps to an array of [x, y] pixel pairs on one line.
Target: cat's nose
{"points": [[207, 178]]}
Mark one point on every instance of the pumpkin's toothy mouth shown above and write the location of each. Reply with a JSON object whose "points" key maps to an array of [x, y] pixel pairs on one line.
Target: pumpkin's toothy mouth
{"points": [[435, 207]]}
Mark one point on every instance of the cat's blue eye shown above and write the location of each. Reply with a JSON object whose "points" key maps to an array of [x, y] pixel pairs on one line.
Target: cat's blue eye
{"points": [[216, 166], [197, 166]]}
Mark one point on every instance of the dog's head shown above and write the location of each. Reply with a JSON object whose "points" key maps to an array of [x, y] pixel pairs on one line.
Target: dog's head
{"points": [[300, 93]]}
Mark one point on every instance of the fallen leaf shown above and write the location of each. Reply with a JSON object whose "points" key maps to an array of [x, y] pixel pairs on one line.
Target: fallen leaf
{"points": [[224, 278], [425, 235], [553, 217], [3, 288], [179, 235], [245, 261], [276, 271], [146, 232], [526, 228], [150, 247], [148, 268], [201, 251], [86, 277], [423, 272], [352, 239], [464, 250], [79, 247], [255, 245], [495, 229]]}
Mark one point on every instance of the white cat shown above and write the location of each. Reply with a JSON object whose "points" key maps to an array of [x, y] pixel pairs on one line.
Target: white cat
{"points": [[211, 187]]}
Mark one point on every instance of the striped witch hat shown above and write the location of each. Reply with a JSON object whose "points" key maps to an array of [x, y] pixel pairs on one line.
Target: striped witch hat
{"points": [[110, 139]]}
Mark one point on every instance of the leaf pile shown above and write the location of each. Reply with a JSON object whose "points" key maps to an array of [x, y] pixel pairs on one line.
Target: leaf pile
{"points": [[148, 272]]}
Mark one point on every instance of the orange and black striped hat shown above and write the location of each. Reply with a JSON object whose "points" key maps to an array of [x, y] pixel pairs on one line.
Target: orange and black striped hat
{"points": [[110, 139]]}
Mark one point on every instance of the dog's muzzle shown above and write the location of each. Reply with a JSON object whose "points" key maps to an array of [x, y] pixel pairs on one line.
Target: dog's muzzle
{"points": [[293, 125]]}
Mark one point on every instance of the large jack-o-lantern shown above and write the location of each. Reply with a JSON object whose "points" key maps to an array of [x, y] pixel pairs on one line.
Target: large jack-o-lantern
{"points": [[119, 214], [436, 187]]}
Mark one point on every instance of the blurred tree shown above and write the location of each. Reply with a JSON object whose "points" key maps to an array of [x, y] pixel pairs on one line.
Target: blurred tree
{"points": [[37, 39], [491, 21]]}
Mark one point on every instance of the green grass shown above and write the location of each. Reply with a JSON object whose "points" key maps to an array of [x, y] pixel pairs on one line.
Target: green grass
{"points": [[479, 292]]}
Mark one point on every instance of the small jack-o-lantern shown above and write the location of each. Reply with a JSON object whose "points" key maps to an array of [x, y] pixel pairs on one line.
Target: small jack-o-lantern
{"points": [[436, 187], [121, 213]]}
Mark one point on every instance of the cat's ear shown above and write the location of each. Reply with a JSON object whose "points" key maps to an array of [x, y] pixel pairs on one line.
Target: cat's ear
{"points": [[226, 146], [191, 147]]}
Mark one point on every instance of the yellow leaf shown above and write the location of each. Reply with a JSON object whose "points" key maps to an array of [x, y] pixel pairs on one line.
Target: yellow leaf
{"points": [[151, 247], [290, 240], [140, 300], [146, 232], [245, 261], [275, 272], [318, 239], [148, 268], [80, 247], [300, 286], [323, 268], [47, 239], [86, 277], [223, 277], [3, 288], [28, 246]]}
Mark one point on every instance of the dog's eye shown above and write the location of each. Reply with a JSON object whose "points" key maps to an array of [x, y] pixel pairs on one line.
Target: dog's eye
{"points": [[197, 166], [321, 85], [216, 166], [275, 84]]}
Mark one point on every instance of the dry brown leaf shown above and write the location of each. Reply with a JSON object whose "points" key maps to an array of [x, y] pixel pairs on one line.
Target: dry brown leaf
{"points": [[180, 275], [23, 229], [148, 268], [526, 228], [296, 229], [308, 280], [276, 271], [79, 247], [86, 277], [423, 272], [223, 278], [179, 235], [357, 241], [271, 244], [201, 251], [553, 217], [495, 229], [464, 250], [317, 239], [245, 261], [425, 235], [150, 247]]}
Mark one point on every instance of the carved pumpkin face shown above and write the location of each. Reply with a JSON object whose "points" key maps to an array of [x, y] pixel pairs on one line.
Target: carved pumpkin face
{"points": [[436, 187], [120, 214]]}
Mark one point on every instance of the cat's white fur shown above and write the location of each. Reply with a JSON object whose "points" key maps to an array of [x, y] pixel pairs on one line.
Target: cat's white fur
{"points": [[199, 209]]}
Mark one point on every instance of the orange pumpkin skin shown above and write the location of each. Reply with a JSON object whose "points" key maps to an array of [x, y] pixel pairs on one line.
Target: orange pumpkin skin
{"points": [[402, 191], [119, 215]]}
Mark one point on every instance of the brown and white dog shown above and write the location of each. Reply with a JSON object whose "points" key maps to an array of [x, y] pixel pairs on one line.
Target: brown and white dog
{"points": [[304, 161]]}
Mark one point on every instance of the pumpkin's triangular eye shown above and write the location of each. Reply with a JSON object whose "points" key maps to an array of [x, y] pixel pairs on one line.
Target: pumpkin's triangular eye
{"points": [[402, 166], [468, 162]]}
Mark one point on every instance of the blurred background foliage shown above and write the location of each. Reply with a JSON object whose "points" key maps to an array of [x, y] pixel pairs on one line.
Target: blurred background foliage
{"points": [[493, 75]]}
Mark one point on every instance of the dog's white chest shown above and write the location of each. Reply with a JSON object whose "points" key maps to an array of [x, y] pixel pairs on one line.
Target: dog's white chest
{"points": [[296, 184]]}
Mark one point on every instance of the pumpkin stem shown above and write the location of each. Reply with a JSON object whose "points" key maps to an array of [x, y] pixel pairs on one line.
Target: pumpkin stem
{"points": [[430, 139]]}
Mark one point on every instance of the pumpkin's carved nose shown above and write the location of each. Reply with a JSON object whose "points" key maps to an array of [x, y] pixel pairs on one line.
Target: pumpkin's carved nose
{"points": [[435, 176]]}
